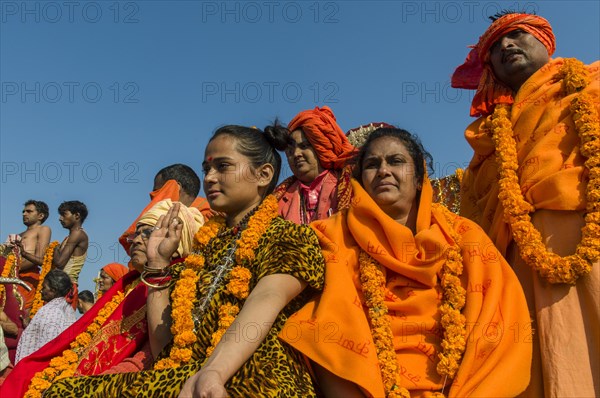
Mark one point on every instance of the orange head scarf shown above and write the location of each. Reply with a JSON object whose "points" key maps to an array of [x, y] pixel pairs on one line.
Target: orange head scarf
{"points": [[326, 137], [476, 72], [115, 270]]}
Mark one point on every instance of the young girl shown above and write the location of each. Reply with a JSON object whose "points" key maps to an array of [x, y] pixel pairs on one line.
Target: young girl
{"points": [[214, 332]]}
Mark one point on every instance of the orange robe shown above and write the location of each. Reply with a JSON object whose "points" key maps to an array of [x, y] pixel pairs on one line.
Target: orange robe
{"points": [[553, 180], [333, 329], [32, 278]]}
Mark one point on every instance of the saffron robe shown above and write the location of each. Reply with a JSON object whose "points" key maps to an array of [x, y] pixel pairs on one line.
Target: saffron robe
{"points": [[553, 180], [333, 330]]}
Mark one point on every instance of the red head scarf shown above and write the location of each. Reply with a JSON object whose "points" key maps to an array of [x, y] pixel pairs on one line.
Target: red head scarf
{"points": [[476, 72], [115, 270], [326, 137]]}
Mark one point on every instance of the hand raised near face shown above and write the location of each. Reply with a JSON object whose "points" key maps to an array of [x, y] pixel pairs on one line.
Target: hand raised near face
{"points": [[165, 237]]}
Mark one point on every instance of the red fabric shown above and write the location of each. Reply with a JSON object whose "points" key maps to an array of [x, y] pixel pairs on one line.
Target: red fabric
{"points": [[326, 137], [115, 270], [129, 342], [72, 296], [476, 71]]}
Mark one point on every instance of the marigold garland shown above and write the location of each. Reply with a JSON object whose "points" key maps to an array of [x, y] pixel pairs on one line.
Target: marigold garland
{"points": [[7, 272], [552, 267], [46, 267], [452, 320], [66, 364], [184, 294]]}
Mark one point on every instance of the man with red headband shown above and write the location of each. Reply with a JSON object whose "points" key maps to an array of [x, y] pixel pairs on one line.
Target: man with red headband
{"points": [[318, 152], [533, 186]]}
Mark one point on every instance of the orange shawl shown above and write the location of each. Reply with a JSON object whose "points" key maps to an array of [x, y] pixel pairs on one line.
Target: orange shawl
{"points": [[333, 329], [550, 170]]}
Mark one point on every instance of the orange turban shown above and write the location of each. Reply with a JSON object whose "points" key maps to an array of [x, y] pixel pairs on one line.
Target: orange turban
{"points": [[476, 72], [115, 270], [326, 137]]}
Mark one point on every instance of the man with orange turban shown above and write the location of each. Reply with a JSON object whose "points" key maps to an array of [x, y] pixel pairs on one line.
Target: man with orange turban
{"points": [[533, 186], [318, 153]]}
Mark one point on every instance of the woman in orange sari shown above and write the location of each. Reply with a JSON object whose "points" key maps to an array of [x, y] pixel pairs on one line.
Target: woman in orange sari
{"points": [[417, 300]]}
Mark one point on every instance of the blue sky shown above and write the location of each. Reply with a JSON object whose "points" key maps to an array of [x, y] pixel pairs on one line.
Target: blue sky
{"points": [[97, 96]]}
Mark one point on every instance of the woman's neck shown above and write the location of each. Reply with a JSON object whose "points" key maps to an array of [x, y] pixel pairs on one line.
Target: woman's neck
{"points": [[233, 219]]}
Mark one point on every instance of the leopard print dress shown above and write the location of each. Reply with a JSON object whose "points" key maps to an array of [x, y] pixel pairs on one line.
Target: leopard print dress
{"points": [[274, 370]]}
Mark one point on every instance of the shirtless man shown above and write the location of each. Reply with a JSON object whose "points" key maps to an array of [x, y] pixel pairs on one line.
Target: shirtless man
{"points": [[32, 245], [70, 255]]}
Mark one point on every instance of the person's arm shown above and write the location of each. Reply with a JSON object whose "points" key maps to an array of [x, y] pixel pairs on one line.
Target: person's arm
{"points": [[267, 299], [160, 248], [63, 253], [9, 327], [31, 260]]}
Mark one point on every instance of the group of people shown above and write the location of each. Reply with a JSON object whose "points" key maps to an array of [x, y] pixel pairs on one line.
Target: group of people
{"points": [[348, 279], [42, 303]]}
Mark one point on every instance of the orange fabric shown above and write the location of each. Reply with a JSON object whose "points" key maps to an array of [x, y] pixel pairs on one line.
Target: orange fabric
{"points": [[32, 278], [333, 329], [551, 170], [326, 137], [115, 270], [567, 317], [168, 191], [476, 72]]}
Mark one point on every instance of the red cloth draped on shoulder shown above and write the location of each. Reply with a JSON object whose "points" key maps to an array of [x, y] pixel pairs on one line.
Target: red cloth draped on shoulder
{"points": [[333, 329], [128, 322], [168, 191]]}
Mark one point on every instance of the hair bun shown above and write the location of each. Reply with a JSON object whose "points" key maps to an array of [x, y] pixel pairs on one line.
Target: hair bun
{"points": [[278, 135]]}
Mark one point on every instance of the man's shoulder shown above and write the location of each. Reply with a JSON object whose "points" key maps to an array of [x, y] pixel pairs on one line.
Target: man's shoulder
{"points": [[35, 230], [78, 235]]}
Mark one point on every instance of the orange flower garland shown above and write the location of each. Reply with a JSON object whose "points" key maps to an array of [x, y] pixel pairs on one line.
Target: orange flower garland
{"points": [[373, 285], [452, 320], [554, 268], [7, 272], [46, 267], [66, 364], [454, 296], [186, 288]]}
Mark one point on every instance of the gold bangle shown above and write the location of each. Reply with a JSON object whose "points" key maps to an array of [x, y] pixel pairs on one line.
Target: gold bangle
{"points": [[157, 287], [157, 271]]}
